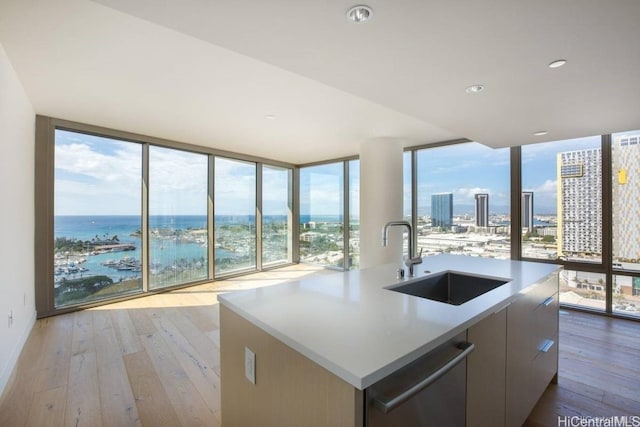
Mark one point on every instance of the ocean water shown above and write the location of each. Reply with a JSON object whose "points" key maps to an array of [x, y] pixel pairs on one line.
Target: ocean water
{"points": [[164, 251]]}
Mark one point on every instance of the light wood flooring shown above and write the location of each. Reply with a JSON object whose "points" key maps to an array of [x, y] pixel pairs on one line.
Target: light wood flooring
{"points": [[154, 361]]}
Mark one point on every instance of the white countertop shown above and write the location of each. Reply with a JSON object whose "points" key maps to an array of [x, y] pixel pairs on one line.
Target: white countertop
{"points": [[352, 326]]}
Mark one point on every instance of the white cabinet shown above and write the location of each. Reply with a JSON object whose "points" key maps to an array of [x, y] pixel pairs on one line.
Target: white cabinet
{"points": [[532, 348], [516, 357], [486, 371]]}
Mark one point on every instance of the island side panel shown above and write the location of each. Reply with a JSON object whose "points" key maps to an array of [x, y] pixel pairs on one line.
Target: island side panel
{"points": [[290, 389], [532, 321], [486, 372]]}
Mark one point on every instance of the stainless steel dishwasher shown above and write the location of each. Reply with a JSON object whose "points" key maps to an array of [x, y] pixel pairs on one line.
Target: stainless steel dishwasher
{"points": [[430, 391]]}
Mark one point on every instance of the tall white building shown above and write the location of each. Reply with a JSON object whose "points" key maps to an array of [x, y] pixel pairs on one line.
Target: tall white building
{"points": [[626, 198], [579, 202]]}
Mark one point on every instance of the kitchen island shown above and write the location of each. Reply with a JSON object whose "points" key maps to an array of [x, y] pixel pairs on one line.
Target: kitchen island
{"points": [[325, 340]]}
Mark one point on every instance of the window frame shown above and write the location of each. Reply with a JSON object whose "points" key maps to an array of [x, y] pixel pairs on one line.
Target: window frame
{"points": [[345, 203], [414, 164], [44, 216], [44, 194], [604, 266]]}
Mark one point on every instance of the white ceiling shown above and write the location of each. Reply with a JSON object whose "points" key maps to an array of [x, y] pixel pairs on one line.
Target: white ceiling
{"points": [[208, 72]]}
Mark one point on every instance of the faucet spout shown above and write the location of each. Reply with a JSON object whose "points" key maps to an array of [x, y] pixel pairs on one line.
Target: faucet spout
{"points": [[410, 260]]}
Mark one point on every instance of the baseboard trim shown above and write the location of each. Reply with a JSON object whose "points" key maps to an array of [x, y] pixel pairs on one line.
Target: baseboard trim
{"points": [[5, 376]]}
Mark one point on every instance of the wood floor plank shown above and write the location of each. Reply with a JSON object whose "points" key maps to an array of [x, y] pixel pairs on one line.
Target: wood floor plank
{"points": [[83, 408], [117, 403], [125, 332], [206, 348], [204, 317], [153, 404], [53, 364], [82, 338], [215, 337], [142, 322], [600, 378], [18, 395], [184, 396], [198, 365], [47, 408]]}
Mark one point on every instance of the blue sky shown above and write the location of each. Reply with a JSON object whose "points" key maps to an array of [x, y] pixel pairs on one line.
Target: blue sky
{"points": [[101, 176], [463, 170], [467, 169]]}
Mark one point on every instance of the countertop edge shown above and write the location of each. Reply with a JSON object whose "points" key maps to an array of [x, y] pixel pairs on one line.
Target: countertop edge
{"points": [[310, 354]]}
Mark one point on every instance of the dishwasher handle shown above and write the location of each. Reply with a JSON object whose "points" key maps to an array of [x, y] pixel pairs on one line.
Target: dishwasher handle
{"points": [[387, 405]]}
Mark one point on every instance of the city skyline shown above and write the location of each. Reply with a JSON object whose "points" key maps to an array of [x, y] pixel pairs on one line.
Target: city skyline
{"points": [[451, 169]]}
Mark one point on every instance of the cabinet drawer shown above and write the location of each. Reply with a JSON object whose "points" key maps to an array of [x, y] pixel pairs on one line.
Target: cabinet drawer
{"points": [[544, 366], [531, 321], [545, 288], [546, 321], [532, 348]]}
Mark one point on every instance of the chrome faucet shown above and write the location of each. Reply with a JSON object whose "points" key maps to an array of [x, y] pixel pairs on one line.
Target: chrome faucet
{"points": [[409, 260]]}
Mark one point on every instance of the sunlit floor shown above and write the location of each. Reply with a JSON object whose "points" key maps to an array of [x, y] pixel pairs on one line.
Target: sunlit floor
{"points": [[150, 361]]}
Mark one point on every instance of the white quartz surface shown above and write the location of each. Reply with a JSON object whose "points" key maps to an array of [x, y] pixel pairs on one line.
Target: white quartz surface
{"points": [[355, 328]]}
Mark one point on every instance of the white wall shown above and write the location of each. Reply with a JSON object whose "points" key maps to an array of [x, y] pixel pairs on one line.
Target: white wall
{"points": [[17, 132]]}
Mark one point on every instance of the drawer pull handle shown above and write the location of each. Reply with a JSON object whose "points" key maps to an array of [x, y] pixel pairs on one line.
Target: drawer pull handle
{"points": [[388, 404], [548, 301], [547, 346]]}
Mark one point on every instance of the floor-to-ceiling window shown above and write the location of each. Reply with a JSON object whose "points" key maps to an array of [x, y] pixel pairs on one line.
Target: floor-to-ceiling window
{"points": [[178, 233], [562, 200], [463, 200], [277, 215], [562, 214], [235, 215], [625, 202], [119, 214], [322, 214], [329, 196], [128, 215], [575, 201], [97, 218], [354, 214]]}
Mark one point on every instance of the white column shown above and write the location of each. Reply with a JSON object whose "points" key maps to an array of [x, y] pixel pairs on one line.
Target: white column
{"points": [[380, 200]]}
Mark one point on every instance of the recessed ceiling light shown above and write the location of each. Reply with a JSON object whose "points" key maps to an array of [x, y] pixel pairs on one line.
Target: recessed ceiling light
{"points": [[270, 117], [474, 89], [541, 133], [557, 63], [360, 13]]}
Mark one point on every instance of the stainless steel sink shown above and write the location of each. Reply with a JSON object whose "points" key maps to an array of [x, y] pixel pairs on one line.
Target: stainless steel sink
{"points": [[449, 287]]}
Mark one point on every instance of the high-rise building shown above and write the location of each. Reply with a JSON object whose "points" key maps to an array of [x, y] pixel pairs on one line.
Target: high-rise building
{"points": [[527, 210], [626, 198], [579, 202], [482, 210], [442, 210]]}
